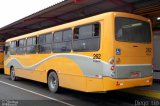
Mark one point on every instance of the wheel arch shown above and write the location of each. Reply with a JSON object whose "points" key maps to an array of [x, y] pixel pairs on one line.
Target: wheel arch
{"points": [[49, 71], [10, 69], [56, 88]]}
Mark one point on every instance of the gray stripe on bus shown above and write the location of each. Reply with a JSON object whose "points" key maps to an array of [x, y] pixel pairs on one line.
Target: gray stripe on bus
{"points": [[88, 65], [91, 67]]}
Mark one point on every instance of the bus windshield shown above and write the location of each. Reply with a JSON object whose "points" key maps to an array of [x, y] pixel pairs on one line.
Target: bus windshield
{"points": [[132, 30]]}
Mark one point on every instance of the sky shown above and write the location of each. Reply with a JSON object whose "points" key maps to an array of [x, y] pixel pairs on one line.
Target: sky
{"points": [[13, 10]]}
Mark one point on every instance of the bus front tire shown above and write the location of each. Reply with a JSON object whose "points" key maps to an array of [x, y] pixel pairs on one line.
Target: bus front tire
{"points": [[53, 82], [12, 74]]}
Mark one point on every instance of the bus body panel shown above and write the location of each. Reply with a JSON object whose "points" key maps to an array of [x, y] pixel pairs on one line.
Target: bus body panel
{"points": [[114, 84], [86, 71]]}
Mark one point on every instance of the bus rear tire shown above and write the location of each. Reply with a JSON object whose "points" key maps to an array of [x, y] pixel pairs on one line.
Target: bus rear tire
{"points": [[53, 82], [12, 74]]}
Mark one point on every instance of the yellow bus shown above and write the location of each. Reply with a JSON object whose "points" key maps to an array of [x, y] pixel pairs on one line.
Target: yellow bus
{"points": [[2, 55], [105, 52]]}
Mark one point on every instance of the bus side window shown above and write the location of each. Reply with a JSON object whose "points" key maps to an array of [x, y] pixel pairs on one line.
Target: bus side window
{"points": [[6, 48], [67, 40], [13, 48], [67, 35], [31, 45], [21, 46], [62, 41], [88, 38], [17, 43], [96, 31], [57, 42], [44, 43], [76, 33]]}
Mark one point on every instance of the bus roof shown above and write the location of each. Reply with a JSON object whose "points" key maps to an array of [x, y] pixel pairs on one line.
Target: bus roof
{"points": [[75, 23]]}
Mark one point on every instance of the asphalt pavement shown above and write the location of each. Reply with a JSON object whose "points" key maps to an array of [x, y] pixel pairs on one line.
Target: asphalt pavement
{"points": [[30, 93]]}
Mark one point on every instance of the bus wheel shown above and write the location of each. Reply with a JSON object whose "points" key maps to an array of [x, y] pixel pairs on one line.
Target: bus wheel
{"points": [[12, 74], [53, 82]]}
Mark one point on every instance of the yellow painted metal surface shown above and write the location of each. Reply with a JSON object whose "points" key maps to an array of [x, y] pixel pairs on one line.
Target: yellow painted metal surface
{"points": [[114, 84], [69, 73], [1, 56]]}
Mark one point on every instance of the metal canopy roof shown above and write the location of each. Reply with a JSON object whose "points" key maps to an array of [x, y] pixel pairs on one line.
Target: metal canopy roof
{"points": [[70, 10]]}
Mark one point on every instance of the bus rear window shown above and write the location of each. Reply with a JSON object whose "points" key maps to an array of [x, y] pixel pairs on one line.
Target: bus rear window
{"points": [[132, 30]]}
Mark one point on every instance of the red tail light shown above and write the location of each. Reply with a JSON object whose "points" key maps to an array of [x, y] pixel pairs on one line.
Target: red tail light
{"points": [[113, 68]]}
